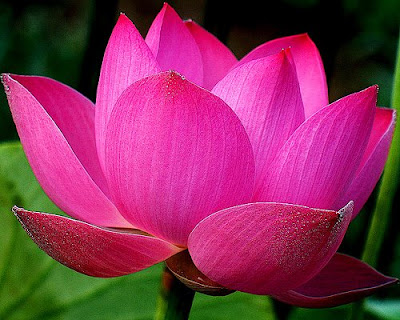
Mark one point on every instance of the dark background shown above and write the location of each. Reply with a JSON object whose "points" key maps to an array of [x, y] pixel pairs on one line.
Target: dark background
{"points": [[65, 40]]}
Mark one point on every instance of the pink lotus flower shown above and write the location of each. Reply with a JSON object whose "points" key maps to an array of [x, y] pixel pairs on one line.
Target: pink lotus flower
{"points": [[243, 163]]}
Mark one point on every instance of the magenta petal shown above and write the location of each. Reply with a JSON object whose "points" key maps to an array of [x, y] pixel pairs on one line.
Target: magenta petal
{"points": [[174, 46], [73, 114], [267, 248], [265, 95], [55, 164], [92, 250], [217, 58], [320, 159], [343, 280], [310, 69], [127, 58], [175, 154], [373, 161]]}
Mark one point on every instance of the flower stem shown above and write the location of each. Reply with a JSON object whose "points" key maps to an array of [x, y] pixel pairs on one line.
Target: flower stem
{"points": [[175, 299], [387, 191]]}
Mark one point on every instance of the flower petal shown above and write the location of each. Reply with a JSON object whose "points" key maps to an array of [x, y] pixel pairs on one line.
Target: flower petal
{"points": [[320, 159], [309, 66], [343, 280], [265, 95], [55, 164], [267, 248], [127, 58], [73, 114], [181, 265], [373, 161], [92, 250], [174, 46], [217, 58], [175, 154]]}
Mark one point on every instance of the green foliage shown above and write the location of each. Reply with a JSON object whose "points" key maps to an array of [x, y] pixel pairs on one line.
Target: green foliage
{"points": [[386, 310]]}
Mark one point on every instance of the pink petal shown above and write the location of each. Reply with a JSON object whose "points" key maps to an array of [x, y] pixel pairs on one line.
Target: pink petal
{"points": [[175, 154], [267, 248], [127, 59], [73, 114], [343, 280], [174, 46], [55, 164], [217, 58], [310, 69], [373, 161], [92, 250], [265, 95], [320, 159]]}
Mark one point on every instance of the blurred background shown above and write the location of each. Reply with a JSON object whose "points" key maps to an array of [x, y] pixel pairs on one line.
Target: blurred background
{"points": [[65, 40]]}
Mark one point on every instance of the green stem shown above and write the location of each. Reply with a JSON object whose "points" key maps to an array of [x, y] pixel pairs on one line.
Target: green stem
{"points": [[387, 192], [175, 299]]}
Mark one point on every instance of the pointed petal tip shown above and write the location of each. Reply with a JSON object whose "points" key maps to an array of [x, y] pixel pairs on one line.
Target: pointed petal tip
{"points": [[166, 6], [372, 90], [15, 209], [347, 209], [370, 93], [123, 19], [5, 78]]}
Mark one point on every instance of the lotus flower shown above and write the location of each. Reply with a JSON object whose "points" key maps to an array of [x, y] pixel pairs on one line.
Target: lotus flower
{"points": [[242, 163]]}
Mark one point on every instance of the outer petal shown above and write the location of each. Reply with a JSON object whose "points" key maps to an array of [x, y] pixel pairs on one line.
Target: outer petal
{"points": [[217, 58], [92, 250], [310, 69], [343, 280], [56, 166], [174, 46], [267, 248], [73, 114], [320, 159], [175, 154], [127, 59], [265, 95], [373, 161]]}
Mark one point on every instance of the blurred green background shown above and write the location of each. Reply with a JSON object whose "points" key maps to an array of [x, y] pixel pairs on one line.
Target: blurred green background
{"points": [[65, 40]]}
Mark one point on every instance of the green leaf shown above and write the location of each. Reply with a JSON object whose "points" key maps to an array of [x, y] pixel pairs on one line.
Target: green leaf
{"points": [[237, 305], [33, 286], [336, 313], [387, 310]]}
